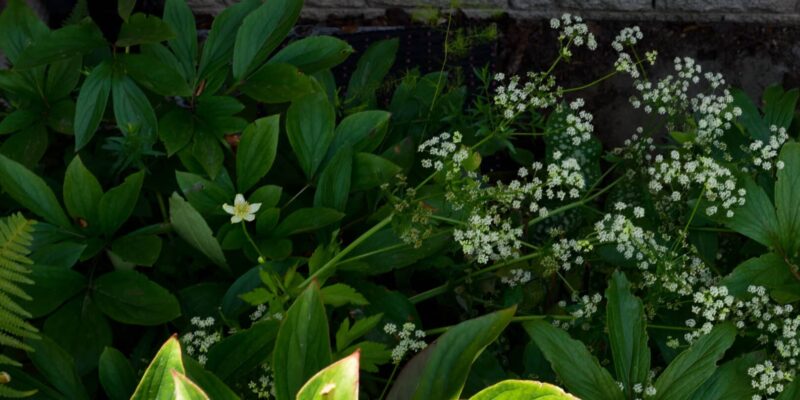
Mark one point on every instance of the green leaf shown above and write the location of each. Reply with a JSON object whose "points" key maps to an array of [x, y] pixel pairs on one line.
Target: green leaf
{"points": [[175, 129], [206, 150], [346, 335], [239, 354], [28, 146], [19, 26], [302, 347], [452, 355], [125, 8], [768, 270], [54, 286], [18, 120], [575, 366], [277, 83], [779, 106], [132, 109], [57, 367], [313, 54], [339, 381], [261, 32], [142, 29], [116, 205], [787, 196], [185, 389], [178, 15], [81, 330], [91, 105], [116, 374], [157, 383], [62, 77], [61, 254], [207, 197], [129, 297], [191, 226], [694, 365], [256, 152], [730, 380], [750, 118], [306, 220], [218, 47], [61, 44], [309, 126], [340, 294], [363, 130], [333, 187], [517, 389], [371, 171], [27, 189], [155, 75], [211, 385], [370, 72], [61, 116], [627, 333], [82, 191], [138, 249], [373, 354], [756, 219], [791, 391]]}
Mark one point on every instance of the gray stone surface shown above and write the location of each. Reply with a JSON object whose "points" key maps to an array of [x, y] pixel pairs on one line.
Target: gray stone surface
{"points": [[732, 6]]}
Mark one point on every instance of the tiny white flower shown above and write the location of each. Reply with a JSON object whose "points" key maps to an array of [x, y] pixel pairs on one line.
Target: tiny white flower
{"points": [[241, 210]]}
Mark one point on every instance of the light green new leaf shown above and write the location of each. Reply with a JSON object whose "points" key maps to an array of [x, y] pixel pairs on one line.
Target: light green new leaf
{"points": [[256, 152], [517, 390], [339, 381], [61, 44], [185, 389], [333, 186], [346, 334], [82, 191], [340, 294], [157, 382], [302, 347], [116, 206], [787, 197], [116, 374], [451, 355], [627, 333], [309, 125], [277, 83], [313, 54], [575, 366], [91, 105], [261, 32], [142, 29], [31, 192], [306, 220], [191, 226], [129, 297], [690, 369]]}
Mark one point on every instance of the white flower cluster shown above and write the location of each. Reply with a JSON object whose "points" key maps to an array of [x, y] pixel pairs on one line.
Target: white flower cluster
{"points": [[628, 37], [445, 148], [260, 313], [264, 386], [516, 277], [489, 237], [574, 31], [582, 310], [679, 173], [513, 98], [644, 391], [768, 380], [765, 153], [411, 339], [566, 253], [579, 123], [198, 342]]}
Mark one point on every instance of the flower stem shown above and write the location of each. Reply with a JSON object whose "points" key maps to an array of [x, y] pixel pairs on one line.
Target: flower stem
{"points": [[389, 382]]}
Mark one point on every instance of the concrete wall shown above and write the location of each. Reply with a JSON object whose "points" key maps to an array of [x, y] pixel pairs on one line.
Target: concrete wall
{"points": [[779, 11]]}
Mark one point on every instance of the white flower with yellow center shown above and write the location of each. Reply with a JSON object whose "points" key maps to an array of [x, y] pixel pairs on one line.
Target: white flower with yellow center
{"points": [[241, 209]]}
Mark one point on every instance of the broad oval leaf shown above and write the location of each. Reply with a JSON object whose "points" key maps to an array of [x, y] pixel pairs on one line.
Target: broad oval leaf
{"points": [[333, 186], [240, 353], [82, 191], [277, 83], [627, 333], [91, 105], [129, 297], [261, 31], [31, 192], [339, 381], [142, 29], [191, 226], [363, 130], [309, 126], [116, 374], [256, 152], [57, 367], [116, 205], [517, 390], [306, 220], [61, 44], [218, 46], [313, 54]]}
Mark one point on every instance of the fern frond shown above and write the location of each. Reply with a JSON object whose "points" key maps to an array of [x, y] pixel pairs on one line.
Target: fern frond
{"points": [[15, 240]]}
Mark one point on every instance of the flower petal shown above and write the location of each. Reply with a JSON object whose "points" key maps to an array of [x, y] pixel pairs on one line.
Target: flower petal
{"points": [[239, 200], [254, 207], [249, 217], [228, 208], [236, 219]]}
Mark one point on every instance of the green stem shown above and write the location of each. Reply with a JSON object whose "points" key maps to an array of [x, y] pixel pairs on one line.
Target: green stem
{"points": [[331, 264], [575, 204], [448, 220], [389, 382], [253, 243], [590, 84], [669, 327]]}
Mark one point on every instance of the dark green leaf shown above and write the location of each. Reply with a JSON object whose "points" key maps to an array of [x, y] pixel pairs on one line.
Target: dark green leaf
{"points": [[218, 47], [302, 347], [138, 249], [129, 297], [346, 334], [31, 192], [81, 330], [261, 32], [207, 197], [363, 130], [370, 73], [207, 381], [769, 270], [756, 219], [787, 197], [206, 150], [191, 226], [750, 118], [132, 109], [277, 83], [57, 367], [627, 333], [371, 171], [116, 205], [244, 351], [156, 76], [179, 16], [306, 220], [82, 192], [18, 120], [54, 285], [19, 26], [338, 381], [61, 115], [779, 109], [61, 44], [309, 126], [313, 54], [694, 365], [28, 146], [142, 29], [730, 380], [91, 104], [125, 8], [333, 186], [157, 383], [116, 374], [256, 151], [175, 129], [62, 254], [575, 366]]}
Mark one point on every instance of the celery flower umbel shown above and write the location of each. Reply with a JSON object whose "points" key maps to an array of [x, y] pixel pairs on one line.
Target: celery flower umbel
{"points": [[241, 209]]}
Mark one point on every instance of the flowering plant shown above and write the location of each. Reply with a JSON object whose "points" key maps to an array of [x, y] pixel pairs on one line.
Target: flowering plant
{"points": [[270, 223]]}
